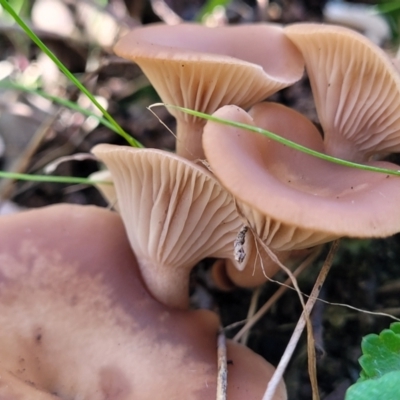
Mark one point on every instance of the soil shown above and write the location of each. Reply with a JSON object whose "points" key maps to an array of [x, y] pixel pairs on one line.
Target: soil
{"points": [[365, 273]]}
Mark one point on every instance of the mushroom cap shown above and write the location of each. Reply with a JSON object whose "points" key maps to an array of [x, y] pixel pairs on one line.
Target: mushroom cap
{"points": [[259, 268], [255, 274], [356, 90], [77, 321], [290, 199], [175, 214], [227, 277], [202, 68]]}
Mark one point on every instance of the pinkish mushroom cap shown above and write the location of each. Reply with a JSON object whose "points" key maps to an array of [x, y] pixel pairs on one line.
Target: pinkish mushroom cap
{"points": [[77, 321], [356, 90], [290, 199], [205, 68]]}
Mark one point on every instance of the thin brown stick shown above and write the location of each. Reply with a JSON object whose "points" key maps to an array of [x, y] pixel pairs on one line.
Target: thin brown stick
{"points": [[222, 379], [273, 257], [251, 312], [272, 300], [276, 378]]}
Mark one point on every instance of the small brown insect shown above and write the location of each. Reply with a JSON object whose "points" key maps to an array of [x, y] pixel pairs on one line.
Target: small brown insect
{"points": [[238, 249]]}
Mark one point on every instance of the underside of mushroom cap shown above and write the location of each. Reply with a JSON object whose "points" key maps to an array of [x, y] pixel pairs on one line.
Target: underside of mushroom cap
{"points": [[204, 68], [175, 214], [290, 199], [356, 90], [77, 322]]}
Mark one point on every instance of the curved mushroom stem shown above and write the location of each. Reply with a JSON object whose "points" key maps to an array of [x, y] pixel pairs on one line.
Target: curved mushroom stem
{"points": [[160, 283], [188, 139]]}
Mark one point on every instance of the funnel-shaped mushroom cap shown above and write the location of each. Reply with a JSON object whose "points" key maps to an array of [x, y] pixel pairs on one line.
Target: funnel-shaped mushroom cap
{"points": [[205, 68], [259, 268], [77, 323], [255, 274], [290, 199], [175, 214], [356, 90], [226, 275]]}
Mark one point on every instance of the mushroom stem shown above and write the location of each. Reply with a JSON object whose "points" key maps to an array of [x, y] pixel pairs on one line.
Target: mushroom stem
{"points": [[159, 283], [188, 139]]}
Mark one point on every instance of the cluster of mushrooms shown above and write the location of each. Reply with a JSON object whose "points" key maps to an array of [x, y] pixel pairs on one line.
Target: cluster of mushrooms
{"points": [[94, 304]]}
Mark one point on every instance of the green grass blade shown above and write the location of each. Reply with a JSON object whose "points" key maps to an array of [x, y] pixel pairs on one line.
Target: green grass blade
{"points": [[286, 142], [50, 178], [387, 7], [58, 100], [209, 6], [133, 142]]}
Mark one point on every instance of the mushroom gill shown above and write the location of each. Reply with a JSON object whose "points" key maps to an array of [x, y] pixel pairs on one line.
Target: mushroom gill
{"points": [[205, 68], [175, 213], [356, 90]]}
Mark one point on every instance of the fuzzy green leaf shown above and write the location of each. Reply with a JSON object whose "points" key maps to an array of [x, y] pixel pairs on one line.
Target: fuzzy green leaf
{"points": [[381, 353], [386, 387]]}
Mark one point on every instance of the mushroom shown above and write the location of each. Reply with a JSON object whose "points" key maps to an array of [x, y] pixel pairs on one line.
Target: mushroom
{"points": [[292, 200], [169, 250], [258, 270], [77, 321], [356, 90], [226, 273], [205, 68], [175, 214]]}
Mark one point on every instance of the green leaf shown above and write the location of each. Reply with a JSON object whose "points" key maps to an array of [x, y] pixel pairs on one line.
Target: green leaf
{"points": [[386, 387], [395, 327], [388, 6], [381, 353], [209, 6]]}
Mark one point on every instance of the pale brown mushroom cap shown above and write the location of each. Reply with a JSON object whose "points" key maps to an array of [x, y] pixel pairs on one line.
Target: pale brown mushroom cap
{"points": [[290, 199], [77, 322], [175, 214], [259, 268], [226, 276], [205, 68], [356, 90]]}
